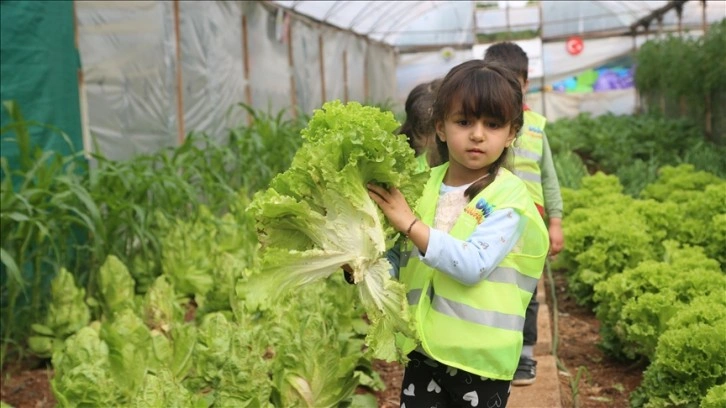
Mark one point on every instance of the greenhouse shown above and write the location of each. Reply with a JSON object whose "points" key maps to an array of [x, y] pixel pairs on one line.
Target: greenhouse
{"points": [[220, 203]]}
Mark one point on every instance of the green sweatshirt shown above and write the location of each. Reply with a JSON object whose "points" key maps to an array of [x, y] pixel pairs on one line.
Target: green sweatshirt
{"points": [[550, 183]]}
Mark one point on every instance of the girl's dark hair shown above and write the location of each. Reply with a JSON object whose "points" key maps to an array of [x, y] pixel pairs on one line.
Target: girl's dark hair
{"points": [[419, 125], [482, 89]]}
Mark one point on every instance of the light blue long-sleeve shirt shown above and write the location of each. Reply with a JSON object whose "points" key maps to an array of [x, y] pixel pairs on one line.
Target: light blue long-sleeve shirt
{"points": [[472, 260]]}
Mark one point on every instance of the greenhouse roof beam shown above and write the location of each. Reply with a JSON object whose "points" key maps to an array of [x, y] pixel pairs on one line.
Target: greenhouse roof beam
{"points": [[324, 23], [391, 18], [334, 8], [657, 14], [411, 16], [365, 13]]}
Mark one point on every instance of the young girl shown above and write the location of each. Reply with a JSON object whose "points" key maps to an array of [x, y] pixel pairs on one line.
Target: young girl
{"points": [[419, 125], [475, 250]]}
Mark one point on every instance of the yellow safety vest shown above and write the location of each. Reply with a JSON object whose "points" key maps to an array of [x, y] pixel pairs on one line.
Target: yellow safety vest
{"points": [[477, 328], [422, 162], [528, 154]]}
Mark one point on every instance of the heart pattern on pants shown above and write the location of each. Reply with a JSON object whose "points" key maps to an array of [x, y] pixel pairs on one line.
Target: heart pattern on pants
{"points": [[410, 390], [472, 397], [494, 402], [433, 387]]}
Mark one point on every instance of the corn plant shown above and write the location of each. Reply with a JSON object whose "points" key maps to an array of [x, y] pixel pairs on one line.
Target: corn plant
{"points": [[48, 220], [263, 149], [56, 212]]}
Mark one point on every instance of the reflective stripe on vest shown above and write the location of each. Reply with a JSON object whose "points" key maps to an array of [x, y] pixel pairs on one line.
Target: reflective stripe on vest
{"points": [[452, 318], [462, 311], [528, 153], [531, 178], [499, 275]]}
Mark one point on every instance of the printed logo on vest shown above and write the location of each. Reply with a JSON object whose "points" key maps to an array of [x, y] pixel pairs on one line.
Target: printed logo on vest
{"points": [[484, 209], [535, 129]]}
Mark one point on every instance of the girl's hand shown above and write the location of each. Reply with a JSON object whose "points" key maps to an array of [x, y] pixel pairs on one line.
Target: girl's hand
{"points": [[393, 205]]}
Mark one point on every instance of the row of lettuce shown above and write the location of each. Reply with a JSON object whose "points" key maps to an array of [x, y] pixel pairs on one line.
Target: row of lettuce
{"points": [[653, 269], [151, 260], [74, 211], [646, 247]]}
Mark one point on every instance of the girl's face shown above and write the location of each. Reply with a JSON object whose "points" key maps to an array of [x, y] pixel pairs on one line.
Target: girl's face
{"points": [[473, 144]]}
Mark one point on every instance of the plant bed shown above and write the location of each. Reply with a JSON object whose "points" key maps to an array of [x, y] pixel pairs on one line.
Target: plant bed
{"points": [[603, 382]]}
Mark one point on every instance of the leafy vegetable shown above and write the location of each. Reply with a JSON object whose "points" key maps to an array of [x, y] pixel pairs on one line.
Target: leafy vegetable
{"points": [[67, 313], [688, 362], [715, 398], [317, 216], [229, 362], [634, 306], [317, 362], [162, 390], [116, 286], [83, 372]]}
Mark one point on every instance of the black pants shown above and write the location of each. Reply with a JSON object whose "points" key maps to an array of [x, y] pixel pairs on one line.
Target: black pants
{"points": [[530, 321], [428, 383]]}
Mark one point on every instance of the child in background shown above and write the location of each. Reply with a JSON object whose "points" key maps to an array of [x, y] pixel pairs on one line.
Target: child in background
{"points": [[475, 250], [533, 163], [419, 125]]}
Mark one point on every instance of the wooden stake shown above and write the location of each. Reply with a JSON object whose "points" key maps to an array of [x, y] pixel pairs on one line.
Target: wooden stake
{"points": [[291, 66], [179, 85], [321, 60], [345, 77], [366, 91], [246, 66]]}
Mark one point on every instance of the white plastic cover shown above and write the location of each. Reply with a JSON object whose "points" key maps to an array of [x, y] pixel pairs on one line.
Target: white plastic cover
{"points": [[127, 55], [145, 87], [139, 98]]}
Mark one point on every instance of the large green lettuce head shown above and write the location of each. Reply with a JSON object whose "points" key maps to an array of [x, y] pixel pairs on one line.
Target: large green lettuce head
{"points": [[317, 216]]}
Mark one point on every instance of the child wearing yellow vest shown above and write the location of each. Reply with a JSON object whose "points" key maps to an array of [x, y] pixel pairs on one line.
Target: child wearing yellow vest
{"points": [[475, 246], [533, 164], [419, 125]]}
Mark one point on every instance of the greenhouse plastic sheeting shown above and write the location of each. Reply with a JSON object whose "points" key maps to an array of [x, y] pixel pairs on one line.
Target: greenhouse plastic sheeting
{"points": [[211, 61], [132, 79], [40, 72], [127, 50], [567, 105]]}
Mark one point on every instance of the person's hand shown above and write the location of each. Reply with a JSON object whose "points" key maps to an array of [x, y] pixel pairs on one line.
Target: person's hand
{"points": [[557, 238], [393, 205]]}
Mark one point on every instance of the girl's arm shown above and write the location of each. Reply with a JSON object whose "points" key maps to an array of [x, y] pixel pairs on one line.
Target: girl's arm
{"points": [[467, 261], [471, 261]]}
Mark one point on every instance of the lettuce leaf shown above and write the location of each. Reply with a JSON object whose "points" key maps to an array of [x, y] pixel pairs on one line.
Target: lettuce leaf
{"points": [[317, 216], [67, 313]]}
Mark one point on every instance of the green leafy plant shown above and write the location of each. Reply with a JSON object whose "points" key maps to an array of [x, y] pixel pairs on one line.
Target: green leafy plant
{"points": [[317, 216], [47, 221]]}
